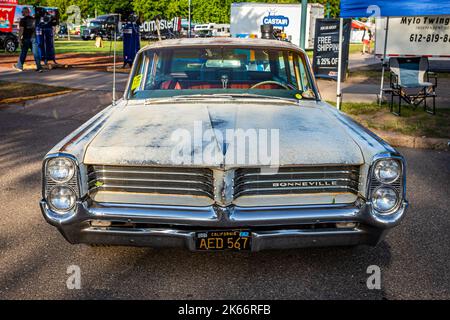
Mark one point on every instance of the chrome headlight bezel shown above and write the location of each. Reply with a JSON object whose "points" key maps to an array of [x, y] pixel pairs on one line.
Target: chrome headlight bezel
{"points": [[398, 184], [387, 163], [70, 167], [59, 210], [74, 183], [390, 210]]}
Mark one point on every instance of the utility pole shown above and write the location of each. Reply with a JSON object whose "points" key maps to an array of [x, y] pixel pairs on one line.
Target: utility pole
{"points": [[303, 24]]}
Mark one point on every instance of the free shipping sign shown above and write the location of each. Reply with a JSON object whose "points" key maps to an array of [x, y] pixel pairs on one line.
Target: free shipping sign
{"points": [[414, 36], [326, 48]]}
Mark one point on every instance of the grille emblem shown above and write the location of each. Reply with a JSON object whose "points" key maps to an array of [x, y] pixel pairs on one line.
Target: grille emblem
{"points": [[305, 184]]}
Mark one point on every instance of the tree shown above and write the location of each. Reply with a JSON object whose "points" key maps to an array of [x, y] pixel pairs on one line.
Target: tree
{"points": [[149, 9], [203, 11], [333, 6]]}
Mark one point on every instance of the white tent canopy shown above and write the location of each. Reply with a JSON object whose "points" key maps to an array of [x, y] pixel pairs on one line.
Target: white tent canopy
{"points": [[385, 8]]}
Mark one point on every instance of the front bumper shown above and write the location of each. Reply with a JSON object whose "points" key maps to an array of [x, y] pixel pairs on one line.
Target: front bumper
{"points": [[272, 227]]}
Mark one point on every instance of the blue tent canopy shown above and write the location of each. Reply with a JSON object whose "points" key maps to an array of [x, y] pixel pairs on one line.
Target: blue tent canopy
{"points": [[397, 8]]}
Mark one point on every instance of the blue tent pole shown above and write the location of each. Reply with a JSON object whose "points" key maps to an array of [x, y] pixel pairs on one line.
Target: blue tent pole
{"points": [[380, 96]]}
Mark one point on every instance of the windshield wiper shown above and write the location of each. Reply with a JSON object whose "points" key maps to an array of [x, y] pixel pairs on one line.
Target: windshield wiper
{"points": [[228, 95], [253, 95], [187, 97]]}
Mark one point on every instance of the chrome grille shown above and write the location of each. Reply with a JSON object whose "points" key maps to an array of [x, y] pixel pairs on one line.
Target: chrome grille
{"points": [[297, 180], [160, 180], [397, 185], [72, 183]]}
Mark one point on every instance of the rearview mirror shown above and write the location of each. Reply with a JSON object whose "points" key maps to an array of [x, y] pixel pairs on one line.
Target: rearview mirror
{"points": [[219, 63]]}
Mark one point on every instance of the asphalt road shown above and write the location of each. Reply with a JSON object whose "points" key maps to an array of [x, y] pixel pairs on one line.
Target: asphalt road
{"points": [[414, 259]]}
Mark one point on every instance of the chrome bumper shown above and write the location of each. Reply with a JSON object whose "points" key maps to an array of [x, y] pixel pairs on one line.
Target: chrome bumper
{"points": [[272, 227]]}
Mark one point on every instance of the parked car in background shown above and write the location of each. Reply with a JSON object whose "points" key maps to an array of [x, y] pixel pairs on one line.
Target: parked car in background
{"points": [[102, 26], [8, 41], [163, 167]]}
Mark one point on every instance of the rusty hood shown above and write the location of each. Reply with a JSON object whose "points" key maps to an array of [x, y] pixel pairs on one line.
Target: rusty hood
{"points": [[168, 134]]}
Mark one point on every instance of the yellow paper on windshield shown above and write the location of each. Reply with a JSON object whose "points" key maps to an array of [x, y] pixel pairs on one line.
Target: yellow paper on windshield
{"points": [[136, 82]]}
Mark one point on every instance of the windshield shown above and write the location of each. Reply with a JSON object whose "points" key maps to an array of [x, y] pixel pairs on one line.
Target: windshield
{"points": [[171, 72], [95, 24]]}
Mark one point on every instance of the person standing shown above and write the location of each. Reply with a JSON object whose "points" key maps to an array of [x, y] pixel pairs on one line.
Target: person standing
{"points": [[27, 38], [366, 39]]}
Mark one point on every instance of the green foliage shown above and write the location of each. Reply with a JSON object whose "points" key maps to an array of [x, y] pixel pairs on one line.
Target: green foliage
{"points": [[203, 11], [88, 7], [332, 5]]}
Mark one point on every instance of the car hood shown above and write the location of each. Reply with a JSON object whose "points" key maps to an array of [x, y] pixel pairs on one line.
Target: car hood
{"points": [[169, 134]]}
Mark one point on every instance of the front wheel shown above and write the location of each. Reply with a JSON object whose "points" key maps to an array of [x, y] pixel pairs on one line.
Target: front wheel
{"points": [[10, 46]]}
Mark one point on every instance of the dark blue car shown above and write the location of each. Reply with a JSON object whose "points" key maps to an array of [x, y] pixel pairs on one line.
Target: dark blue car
{"points": [[8, 41]]}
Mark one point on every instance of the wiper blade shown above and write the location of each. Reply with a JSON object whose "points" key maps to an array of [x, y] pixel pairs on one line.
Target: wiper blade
{"points": [[187, 97], [253, 95], [228, 95]]}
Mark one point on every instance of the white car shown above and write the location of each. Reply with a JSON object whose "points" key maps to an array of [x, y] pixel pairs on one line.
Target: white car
{"points": [[223, 144]]}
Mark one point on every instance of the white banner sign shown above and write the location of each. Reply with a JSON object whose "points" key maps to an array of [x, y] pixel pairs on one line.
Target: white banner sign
{"points": [[417, 36]]}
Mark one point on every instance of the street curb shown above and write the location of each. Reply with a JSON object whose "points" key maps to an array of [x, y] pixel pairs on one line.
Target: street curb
{"points": [[38, 96], [402, 140], [119, 69]]}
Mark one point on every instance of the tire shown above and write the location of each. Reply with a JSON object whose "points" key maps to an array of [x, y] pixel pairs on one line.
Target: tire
{"points": [[85, 39], [10, 45]]}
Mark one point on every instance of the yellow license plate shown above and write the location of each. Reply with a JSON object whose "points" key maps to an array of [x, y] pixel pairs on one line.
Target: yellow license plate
{"points": [[237, 240]]}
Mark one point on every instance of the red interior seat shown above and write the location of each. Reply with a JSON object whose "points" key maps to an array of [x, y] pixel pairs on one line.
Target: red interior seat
{"points": [[201, 85]]}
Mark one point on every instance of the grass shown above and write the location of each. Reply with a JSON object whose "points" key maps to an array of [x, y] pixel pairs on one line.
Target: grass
{"points": [[13, 90], [356, 48], [375, 74], [87, 47], [412, 122], [81, 47]]}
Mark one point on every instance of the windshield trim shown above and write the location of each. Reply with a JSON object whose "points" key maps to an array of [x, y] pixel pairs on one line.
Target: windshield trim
{"points": [[308, 67], [231, 96]]}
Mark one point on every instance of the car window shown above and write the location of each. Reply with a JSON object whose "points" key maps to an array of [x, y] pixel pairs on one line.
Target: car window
{"points": [[215, 68]]}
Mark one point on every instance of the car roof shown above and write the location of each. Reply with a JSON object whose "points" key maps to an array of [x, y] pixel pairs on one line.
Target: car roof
{"points": [[231, 42]]}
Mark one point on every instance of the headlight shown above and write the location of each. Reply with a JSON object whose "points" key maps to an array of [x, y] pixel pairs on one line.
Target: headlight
{"points": [[61, 199], [60, 170], [387, 171], [384, 199]]}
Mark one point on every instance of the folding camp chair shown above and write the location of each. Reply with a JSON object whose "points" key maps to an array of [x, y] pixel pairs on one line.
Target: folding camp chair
{"points": [[407, 82]]}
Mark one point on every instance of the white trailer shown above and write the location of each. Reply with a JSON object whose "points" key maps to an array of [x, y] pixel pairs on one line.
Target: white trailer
{"points": [[247, 18], [212, 30]]}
